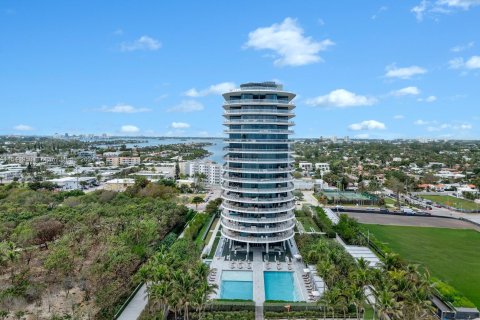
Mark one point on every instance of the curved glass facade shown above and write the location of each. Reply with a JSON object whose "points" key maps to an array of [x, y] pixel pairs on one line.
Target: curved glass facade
{"points": [[257, 185]]}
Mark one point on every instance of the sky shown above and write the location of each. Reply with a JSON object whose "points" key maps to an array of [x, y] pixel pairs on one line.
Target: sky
{"points": [[363, 69]]}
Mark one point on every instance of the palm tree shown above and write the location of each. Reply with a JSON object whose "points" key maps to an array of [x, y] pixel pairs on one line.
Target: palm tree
{"points": [[386, 304], [331, 299], [357, 298]]}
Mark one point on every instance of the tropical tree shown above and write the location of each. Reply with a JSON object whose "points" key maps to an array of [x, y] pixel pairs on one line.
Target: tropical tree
{"points": [[196, 200]]}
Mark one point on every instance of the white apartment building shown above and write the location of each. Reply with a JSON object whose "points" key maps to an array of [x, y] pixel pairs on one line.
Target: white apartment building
{"points": [[122, 161], [305, 166], [322, 167], [212, 170]]}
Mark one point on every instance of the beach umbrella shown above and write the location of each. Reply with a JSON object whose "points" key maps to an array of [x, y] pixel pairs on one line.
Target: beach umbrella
{"points": [[316, 293], [306, 270]]}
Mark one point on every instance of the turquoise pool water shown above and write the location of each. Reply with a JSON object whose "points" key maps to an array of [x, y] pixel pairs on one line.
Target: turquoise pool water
{"points": [[279, 286], [237, 285]]}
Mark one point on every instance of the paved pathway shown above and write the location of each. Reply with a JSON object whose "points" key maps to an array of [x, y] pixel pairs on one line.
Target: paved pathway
{"points": [[136, 305]]}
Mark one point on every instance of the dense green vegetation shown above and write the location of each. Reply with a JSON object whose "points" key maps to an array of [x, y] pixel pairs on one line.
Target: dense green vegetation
{"points": [[401, 291], [453, 202], [54, 244], [177, 281], [305, 218], [443, 251]]}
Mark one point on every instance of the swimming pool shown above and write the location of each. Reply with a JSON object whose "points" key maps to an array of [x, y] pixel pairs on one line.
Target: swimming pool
{"points": [[236, 285], [280, 286]]}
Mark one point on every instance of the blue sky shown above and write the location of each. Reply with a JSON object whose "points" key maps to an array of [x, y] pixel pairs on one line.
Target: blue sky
{"points": [[377, 69]]}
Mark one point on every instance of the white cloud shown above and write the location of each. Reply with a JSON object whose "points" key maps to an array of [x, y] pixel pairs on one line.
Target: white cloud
{"points": [[421, 122], [367, 125], [461, 48], [406, 92], [187, 106], [398, 117], [288, 42], [445, 126], [123, 108], [470, 64], [428, 99], [341, 98], [419, 10], [23, 127], [463, 4], [433, 8], [403, 73], [179, 125], [129, 129], [144, 43], [216, 89], [118, 32]]}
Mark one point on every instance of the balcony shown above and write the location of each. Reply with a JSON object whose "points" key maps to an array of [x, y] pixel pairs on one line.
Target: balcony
{"points": [[257, 101], [254, 170], [253, 209], [282, 227], [251, 239], [257, 121], [236, 198], [278, 218], [262, 141], [250, 160], [289, 188], [257, 180], [259, 131], [246, 150]]}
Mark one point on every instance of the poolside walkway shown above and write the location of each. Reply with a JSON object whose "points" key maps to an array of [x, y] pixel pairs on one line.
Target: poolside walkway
{"points": [[136, 305]]}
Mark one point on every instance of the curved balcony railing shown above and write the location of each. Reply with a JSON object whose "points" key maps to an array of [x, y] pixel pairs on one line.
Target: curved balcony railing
{"points": [[258, 190], [245, 150], [259, 131], [263, 141], [257, 180], [264, 239], [278, 218], [254, 170], [282, 227], [250, 160], [235, 198], [252, 209], [256, 101], [256, 121]]}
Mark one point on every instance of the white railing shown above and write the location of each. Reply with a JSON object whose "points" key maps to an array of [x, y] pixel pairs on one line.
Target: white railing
{"points": [[258, 190], [284, 122], [258, 200], [278, 218], [250, 160], [259, 210], [256, 131], [254, 229], [258, 150], [256, 180], [274, 170], [265, 239], [287, 141], [262, 101]]}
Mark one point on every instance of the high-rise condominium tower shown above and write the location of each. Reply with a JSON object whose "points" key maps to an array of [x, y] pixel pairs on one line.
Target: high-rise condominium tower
{"points": [[258, 203]]}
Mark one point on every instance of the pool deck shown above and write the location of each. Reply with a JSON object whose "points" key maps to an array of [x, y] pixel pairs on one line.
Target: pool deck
{"points": [[258, 266]]}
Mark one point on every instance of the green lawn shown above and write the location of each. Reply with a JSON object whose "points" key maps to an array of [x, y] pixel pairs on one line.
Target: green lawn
{"points": [[453, 202], [308, 224], [451, 255]]}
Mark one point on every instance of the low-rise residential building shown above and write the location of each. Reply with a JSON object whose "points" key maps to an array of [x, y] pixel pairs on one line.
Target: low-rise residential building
{"points": [[211, 170], [305, 166], [323, 167], [74, 183], [300, 184], [122, 161]]}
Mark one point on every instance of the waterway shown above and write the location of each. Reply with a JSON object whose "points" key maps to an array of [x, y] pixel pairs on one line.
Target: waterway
{"points": [[215, 149]]}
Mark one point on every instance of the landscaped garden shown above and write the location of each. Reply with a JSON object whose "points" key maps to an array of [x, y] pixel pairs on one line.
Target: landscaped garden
{"points": [[453, 202], [450, 255]]}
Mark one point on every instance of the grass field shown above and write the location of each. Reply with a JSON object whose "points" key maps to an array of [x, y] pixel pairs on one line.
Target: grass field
{"points": [[308, 224], [451, 255], [453, 202]]}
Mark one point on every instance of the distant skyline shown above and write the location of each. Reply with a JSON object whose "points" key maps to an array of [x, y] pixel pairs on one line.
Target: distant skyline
{"points": [[376, 69]]}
